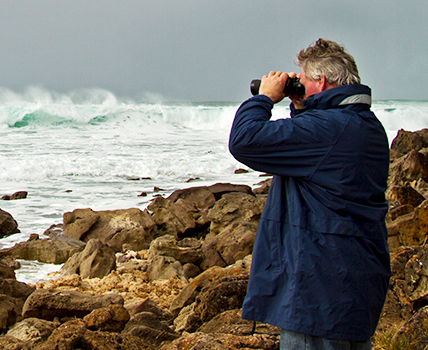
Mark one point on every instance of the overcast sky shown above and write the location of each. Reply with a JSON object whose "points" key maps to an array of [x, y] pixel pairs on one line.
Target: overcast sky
{"points": [[199, 50]]}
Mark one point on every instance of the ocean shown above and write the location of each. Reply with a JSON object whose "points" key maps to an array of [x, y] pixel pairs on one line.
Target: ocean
{"points": [[90, 149]]}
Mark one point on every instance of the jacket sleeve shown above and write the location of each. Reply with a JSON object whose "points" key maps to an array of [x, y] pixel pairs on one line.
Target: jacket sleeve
{"points": [[286, 147]]}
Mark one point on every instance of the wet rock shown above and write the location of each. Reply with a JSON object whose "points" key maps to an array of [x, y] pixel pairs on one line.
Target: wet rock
{"points": [[96, 260], [51, 251], [48, 304], [16, 195], [8, 225]]}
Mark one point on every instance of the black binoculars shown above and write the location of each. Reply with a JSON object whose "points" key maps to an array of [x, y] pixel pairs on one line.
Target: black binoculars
{"points": [[292, 87]]}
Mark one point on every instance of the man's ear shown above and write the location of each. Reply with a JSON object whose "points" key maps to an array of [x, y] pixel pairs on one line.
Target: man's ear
{"points": [[322, 83]]}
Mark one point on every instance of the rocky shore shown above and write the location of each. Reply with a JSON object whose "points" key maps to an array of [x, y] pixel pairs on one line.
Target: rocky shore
{"points": [[174, 275]]}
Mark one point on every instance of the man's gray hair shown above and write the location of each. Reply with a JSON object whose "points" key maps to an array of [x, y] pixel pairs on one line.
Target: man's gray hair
{"points": [[330, 59]]}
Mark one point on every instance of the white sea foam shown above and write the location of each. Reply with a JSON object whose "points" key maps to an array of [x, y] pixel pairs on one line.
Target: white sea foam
{"points": [[81, 149]]}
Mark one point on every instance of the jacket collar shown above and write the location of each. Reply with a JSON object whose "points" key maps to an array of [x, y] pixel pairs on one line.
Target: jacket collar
{"points": [[352, 96]]}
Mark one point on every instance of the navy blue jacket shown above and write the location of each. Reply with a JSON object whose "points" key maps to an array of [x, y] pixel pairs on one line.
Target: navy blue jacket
{"points": [[320, 259]]}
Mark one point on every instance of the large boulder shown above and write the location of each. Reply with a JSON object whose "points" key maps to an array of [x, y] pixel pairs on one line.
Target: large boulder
{"points": [[405, 141], [112, 318], [32, 330], [146, 326], [56, 250], [172, 218], [96, 260], [187, 250], [74, 335], [48, 304], [132, 227], [8, 225], [414, 331], [203, 341], [410, 229]]}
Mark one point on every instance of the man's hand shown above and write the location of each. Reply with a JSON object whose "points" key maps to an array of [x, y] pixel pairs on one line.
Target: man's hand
{"points": [[296, 99], [272, 86]]}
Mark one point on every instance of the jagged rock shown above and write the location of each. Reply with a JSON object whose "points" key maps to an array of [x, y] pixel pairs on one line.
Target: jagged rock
{"points": [[7, 342], [146, 326], [6, 270], [203, 341], [201, 196], [10, 312], [8, 225], [164, 268], [405, 141], [416, 276], [234, 208], [232, 244], [189, 293], [132, 226], [148, 305], [411, 167], [96, 260], [219, 189], [187, 250], [230, 322], [74, 335], [55, 230], [48, 304], [51, 251], [15, 289], [224, 294], [401, 195], [172, 218], [415, 330], [112, 318], [410, 229], [32, 330], [264, 187]]}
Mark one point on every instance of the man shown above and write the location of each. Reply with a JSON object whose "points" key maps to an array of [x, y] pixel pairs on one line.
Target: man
{"points": [[320, 267]]}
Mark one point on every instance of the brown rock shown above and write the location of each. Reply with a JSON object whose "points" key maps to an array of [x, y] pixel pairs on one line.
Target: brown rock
{"points": [[416, 276], [188, 295], [405, 141], [32, 330], [48, 304], [96, 260], [203, 341], [6, 270], [51, 251], [401, 195], [219, 189], [234, 208], [410, 229], [165, 268], [112, 318], [415, 331], [172, 218], [146, 326], [8, 342], [202, 197], [8, 225], [148, 305], [112, 227], [187, 250], [232, 244], [74, 335], [16, 195]]}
